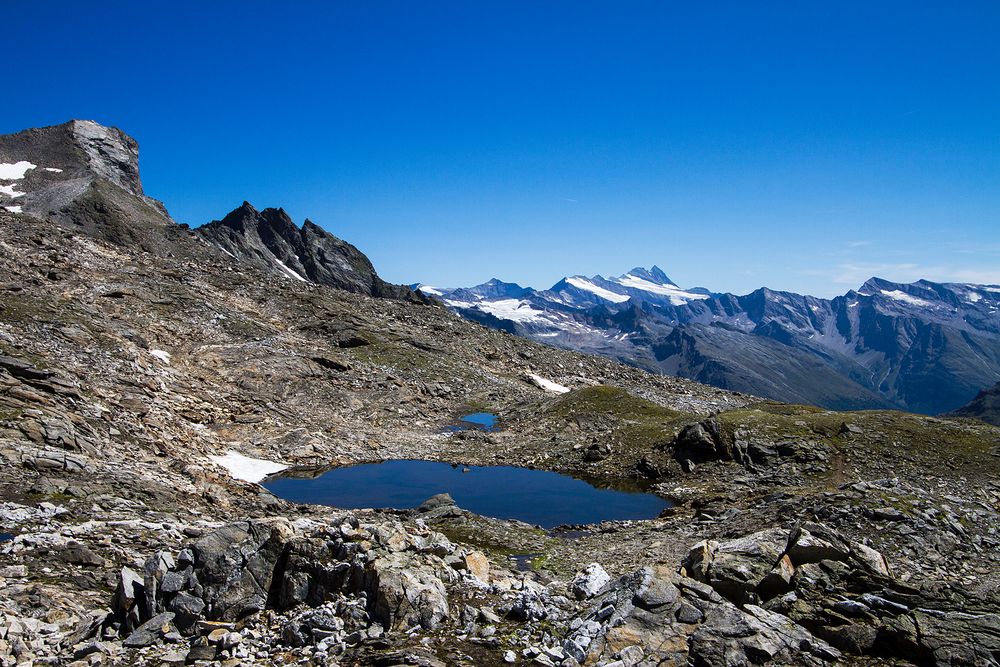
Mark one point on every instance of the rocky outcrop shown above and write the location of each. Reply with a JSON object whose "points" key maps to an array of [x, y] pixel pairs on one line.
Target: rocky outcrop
{"points": [[707, 441], [271, 241], [805, 596], [85, 176], [241, 569]]}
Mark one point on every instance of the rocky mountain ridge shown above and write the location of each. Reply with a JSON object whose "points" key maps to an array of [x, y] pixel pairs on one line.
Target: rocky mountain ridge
{"points": [[924, 347], [128, 378], [270, 239]]}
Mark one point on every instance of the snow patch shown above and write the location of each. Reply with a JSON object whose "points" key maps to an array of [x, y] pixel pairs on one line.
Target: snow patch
{"points": [[973, 297], [10, 191], [427, 289], [246, 468], [13, 209], [14, 171], [677, 296], [547, 385], [605, 294], [459, 304], [162, 355], [284, 267], [899, 295], [54, 170]]}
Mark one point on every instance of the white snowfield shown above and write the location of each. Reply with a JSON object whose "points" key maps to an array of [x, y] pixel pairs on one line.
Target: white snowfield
{"points": [[14, 171], [607, 295], [427, 289], [246, 468], [13, 209], [54, 170], [10, 191], [162, 355], [514, 310], [900, 295], [547, 385], [677, 296]]}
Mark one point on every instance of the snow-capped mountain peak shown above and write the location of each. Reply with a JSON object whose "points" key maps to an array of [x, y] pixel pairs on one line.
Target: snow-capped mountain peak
{"points": [[653, 285], [654, 275]]}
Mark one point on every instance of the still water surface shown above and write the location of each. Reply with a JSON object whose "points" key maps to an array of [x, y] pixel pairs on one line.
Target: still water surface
{"points": [[538, 497]]}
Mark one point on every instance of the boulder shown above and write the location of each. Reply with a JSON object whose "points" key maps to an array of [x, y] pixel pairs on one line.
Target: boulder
{"points": [[150, 632], [750, 565], [125, 605], [403, 594], [478, 565], [731, 636], [235, 565], [589, 582]]}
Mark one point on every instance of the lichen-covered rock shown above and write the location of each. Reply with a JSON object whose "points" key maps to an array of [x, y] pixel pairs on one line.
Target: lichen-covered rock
{"points": [[405, 595], [587, 583]]}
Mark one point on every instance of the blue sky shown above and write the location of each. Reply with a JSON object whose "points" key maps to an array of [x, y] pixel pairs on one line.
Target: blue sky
{"points": [[798, 145]]}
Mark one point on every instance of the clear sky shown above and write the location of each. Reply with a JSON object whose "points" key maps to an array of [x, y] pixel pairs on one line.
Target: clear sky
{"points": [[798, 145]]}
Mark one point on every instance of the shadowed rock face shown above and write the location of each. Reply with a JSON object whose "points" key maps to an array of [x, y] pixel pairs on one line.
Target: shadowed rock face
{"points": [[985, 406], [270, 240]]}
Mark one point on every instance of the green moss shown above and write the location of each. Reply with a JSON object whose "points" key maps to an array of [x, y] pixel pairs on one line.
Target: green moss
{"points": [[401, 357], [19, 307], [917, 439], [244, 328], [491, 545], [635, 422]]}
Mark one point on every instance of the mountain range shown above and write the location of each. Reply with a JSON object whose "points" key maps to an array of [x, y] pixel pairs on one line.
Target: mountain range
{"points": [[151, 375], [924, 347]]}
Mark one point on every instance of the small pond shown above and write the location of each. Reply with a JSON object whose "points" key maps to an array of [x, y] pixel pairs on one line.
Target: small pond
{"points": [[538, 497], [483, 421], [6, 537]]}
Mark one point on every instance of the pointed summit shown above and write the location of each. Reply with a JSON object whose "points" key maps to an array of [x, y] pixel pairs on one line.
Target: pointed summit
{"points": [[270, 240], [654, 275]]}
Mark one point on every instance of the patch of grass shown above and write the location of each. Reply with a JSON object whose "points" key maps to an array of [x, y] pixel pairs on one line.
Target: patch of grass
{"points": [[491, 545], [919, 440], [401, 357], [635, 422], [19, 307], [245, 328]]}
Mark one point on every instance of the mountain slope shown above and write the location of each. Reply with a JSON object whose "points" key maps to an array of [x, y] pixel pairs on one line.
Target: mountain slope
{"points": [[925, 347], [985, 406], [85, 177]]}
